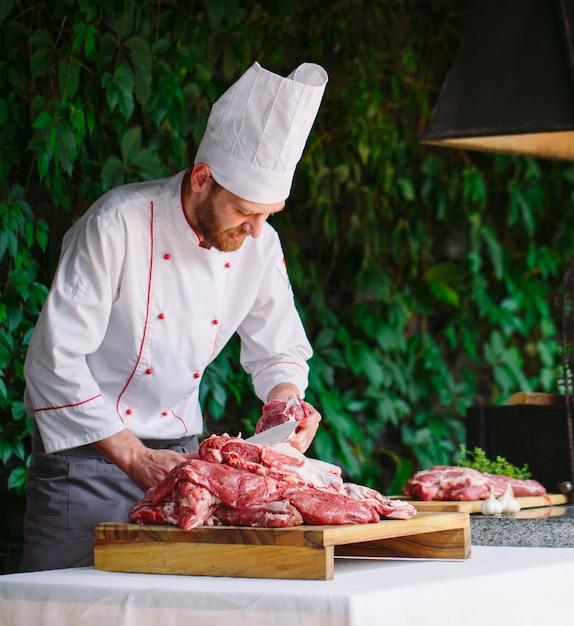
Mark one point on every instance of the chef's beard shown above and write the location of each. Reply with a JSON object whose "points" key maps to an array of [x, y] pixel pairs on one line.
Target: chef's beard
{"points": [[210, 229]]}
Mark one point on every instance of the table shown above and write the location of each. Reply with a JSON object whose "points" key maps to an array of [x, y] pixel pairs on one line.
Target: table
{"points": [[497, 585]]}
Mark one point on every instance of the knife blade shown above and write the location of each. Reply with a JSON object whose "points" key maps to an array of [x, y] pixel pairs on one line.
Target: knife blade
{"points": [[276, 434]]}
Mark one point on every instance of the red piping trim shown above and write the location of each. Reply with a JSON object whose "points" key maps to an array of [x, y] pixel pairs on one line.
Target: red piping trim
{"points": [[67, 406], [181, 420], [146, 314], [278, 363]]}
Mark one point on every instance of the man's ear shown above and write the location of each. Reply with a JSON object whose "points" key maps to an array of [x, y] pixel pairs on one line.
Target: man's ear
{"points": [[200, 177]]}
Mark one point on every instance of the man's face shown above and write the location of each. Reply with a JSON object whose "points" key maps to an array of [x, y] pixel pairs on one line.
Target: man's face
{"points": [[224, 220]]}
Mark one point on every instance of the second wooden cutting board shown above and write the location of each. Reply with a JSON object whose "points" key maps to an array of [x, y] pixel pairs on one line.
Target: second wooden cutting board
{"points": [[474, 506]]}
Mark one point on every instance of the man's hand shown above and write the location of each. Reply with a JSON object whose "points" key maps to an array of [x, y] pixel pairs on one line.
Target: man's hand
{"points": [[146, 467], [303, 437]]}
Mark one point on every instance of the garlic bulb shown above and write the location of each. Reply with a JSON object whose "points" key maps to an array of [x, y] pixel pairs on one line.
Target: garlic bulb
{"points": [[509, 503], [491, 506]]}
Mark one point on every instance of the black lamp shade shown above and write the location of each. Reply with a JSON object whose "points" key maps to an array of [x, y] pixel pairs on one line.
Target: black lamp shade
{"points": [[511, 86]]}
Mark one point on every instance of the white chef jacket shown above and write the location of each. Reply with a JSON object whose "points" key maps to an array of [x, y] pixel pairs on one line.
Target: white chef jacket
{"points": [[138, 310]]}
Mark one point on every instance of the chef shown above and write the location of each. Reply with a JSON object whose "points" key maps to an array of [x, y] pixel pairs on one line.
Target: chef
{"points": [[152, 283]]}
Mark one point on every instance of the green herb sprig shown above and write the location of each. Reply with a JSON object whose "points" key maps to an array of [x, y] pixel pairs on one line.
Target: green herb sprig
{"points": [[478, 460]]}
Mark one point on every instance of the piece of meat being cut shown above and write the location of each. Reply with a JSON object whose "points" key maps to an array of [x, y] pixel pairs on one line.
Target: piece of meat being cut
{"points": [[278, 411], [241, 483], [279, 461], [446, 482]]}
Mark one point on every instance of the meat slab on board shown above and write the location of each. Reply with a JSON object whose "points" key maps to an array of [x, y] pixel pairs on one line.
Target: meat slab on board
{"points": [[446, 482], [241, 483]]}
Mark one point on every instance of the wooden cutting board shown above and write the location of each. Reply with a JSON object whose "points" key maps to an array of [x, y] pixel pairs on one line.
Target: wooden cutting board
{"points": [[300, 552], [537, 399], [474, 506]]}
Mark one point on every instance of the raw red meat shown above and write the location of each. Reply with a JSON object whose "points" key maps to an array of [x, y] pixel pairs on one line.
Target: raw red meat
{"points": [[144, 512], [276, 412], [519, 487], [325, 507], [279, 514], [241, 483], [446, 482], [190, 493], [280, 461], [210, 448], [195, 504], [385, 507]]}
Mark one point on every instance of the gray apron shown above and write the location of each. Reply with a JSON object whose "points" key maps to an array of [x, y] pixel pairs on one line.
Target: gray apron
{"points": [[67, 494]]}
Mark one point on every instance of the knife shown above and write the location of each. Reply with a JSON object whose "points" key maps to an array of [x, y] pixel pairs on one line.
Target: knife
{"points": [[276, 434]]}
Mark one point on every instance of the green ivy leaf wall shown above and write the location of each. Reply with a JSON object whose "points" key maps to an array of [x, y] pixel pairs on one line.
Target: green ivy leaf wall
{"points": [[426, 277]]}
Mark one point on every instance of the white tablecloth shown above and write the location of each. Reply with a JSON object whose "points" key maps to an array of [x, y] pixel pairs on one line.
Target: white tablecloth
{"points": [[497, 585]]}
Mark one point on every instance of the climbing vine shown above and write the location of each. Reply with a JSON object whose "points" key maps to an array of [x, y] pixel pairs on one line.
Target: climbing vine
{"points": [[426, 277]]}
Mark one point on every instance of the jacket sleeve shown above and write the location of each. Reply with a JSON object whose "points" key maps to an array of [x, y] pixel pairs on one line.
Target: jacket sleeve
{"points": [[61, 394], [274, 345]]}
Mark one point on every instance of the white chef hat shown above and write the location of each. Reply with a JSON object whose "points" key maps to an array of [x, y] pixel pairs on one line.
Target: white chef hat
{"points": [[258, 128]]}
